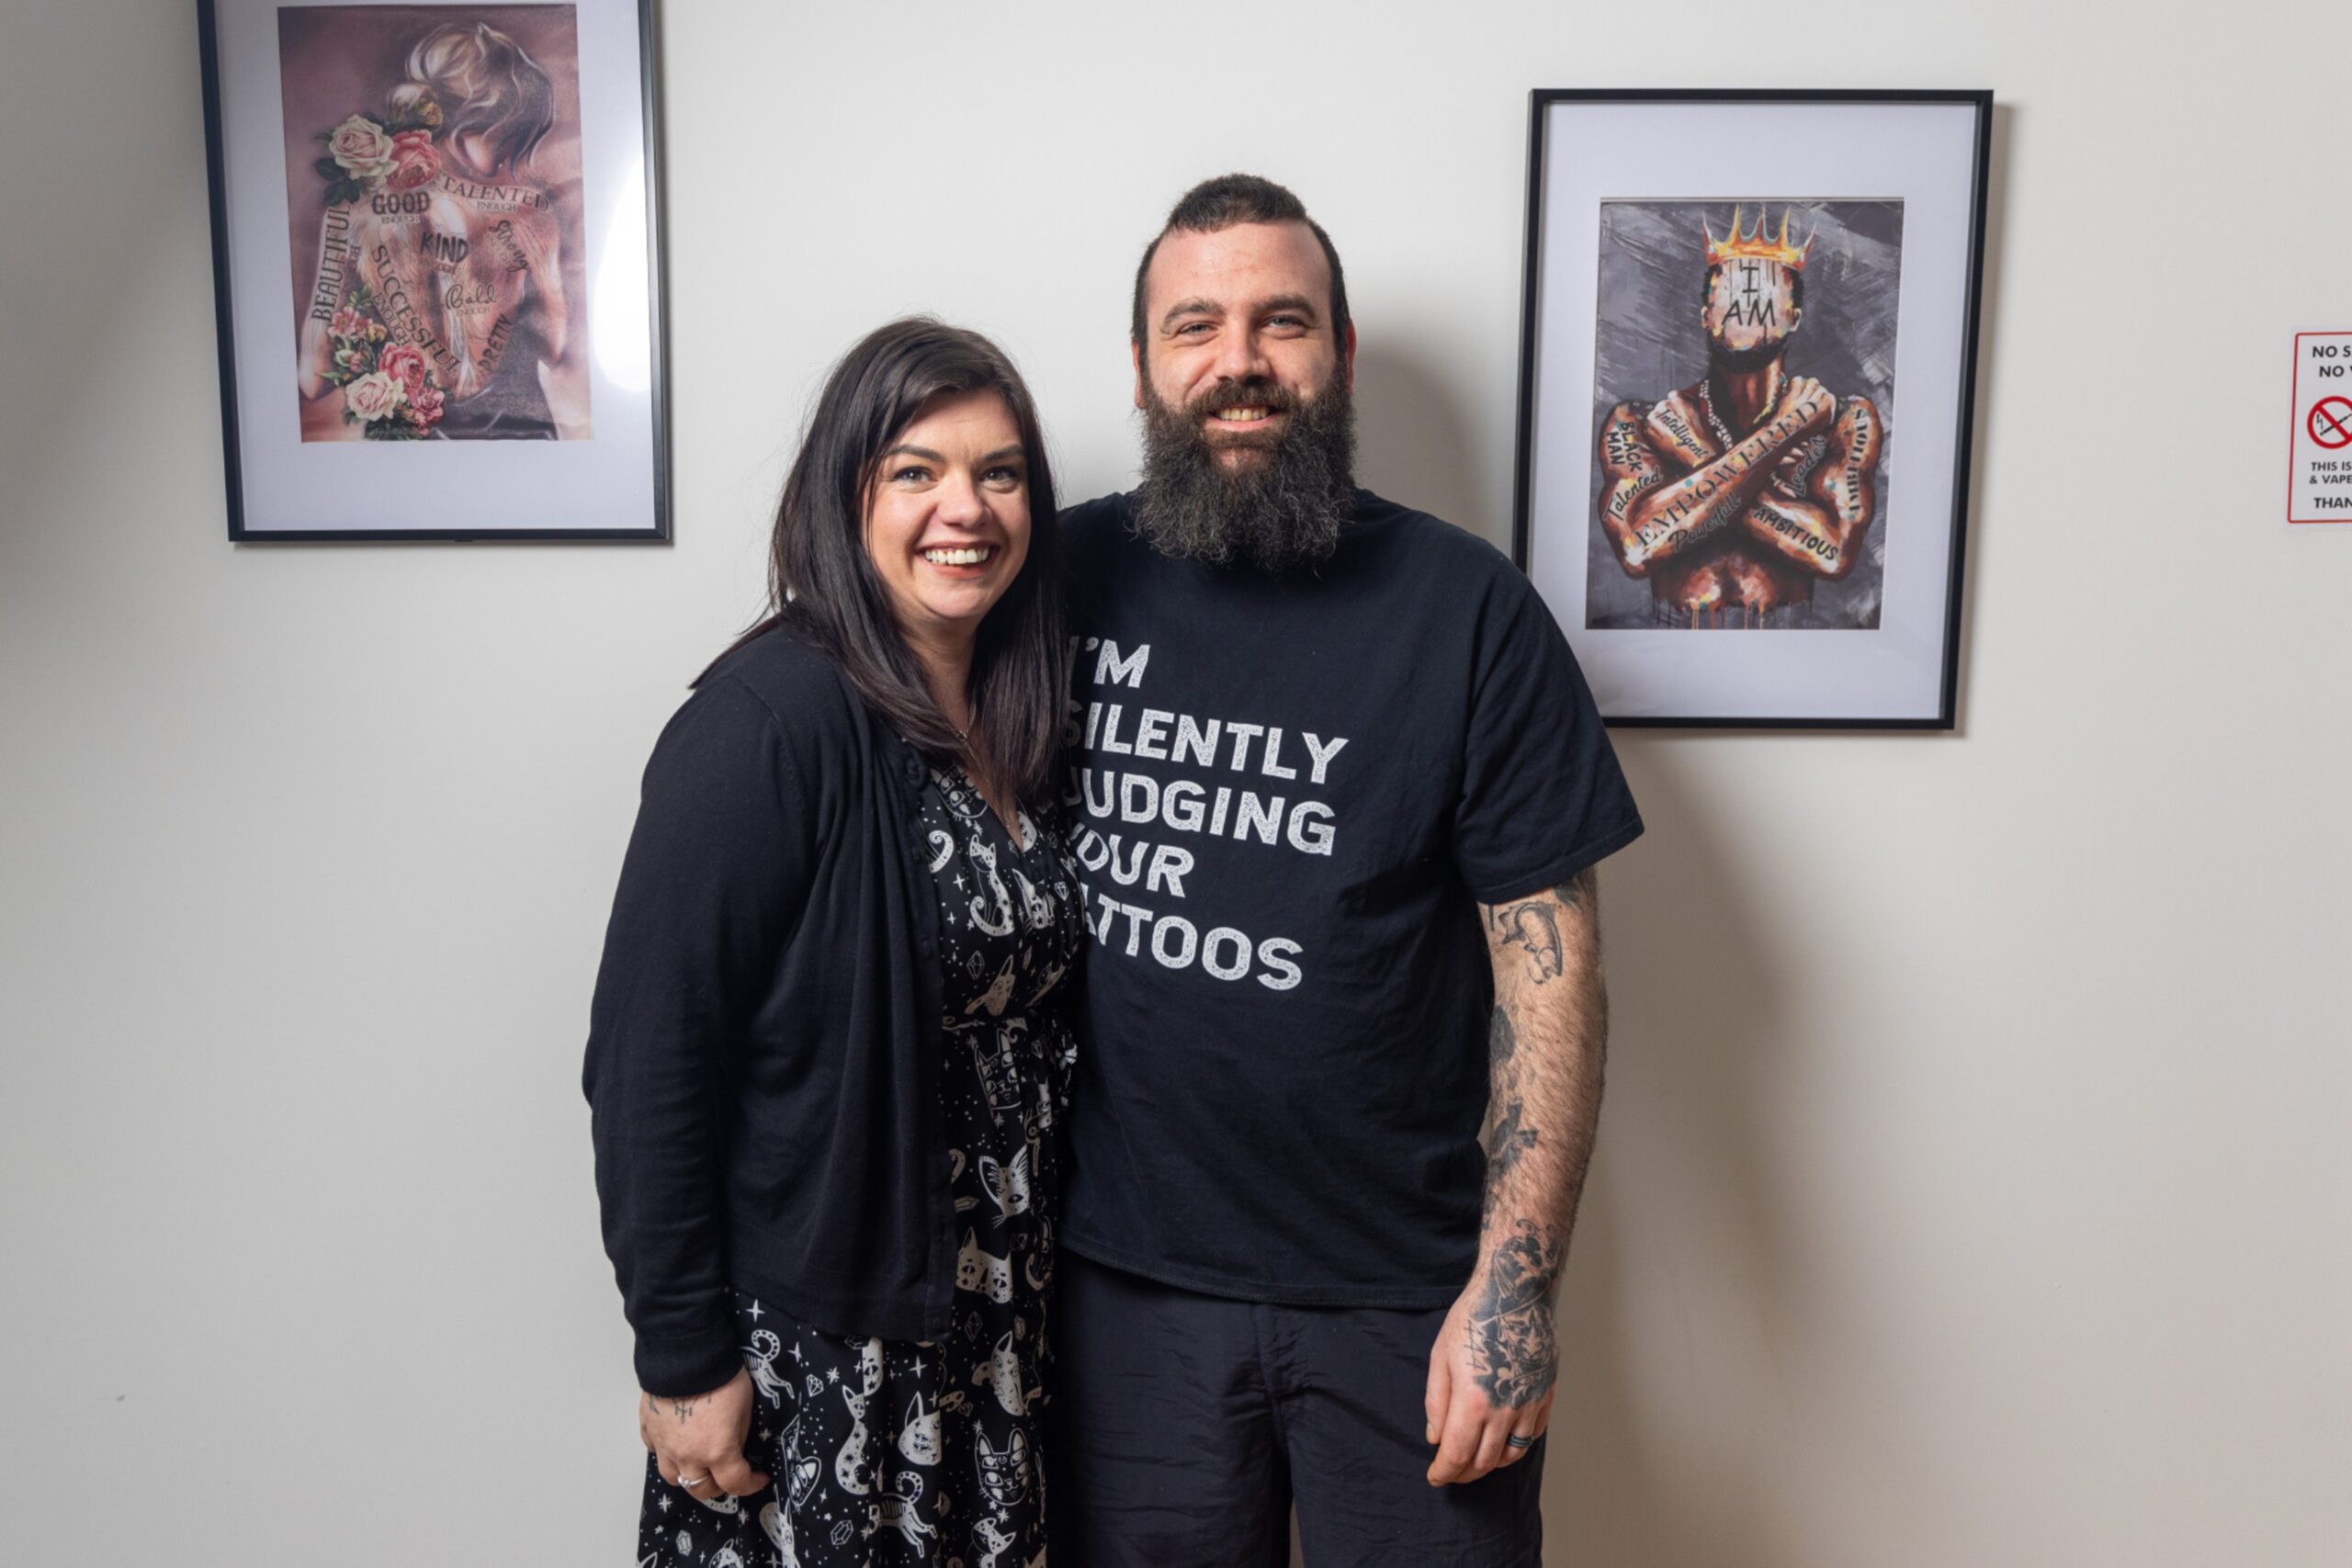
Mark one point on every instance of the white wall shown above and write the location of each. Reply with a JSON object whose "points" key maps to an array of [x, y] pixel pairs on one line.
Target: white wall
{"points": [[1973, 1187]]}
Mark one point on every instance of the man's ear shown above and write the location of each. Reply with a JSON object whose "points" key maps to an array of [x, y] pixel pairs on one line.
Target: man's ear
{"points": [[1135, 353], [1347, 359]]}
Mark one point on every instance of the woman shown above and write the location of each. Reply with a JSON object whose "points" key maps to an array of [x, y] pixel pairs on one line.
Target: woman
{"points": [[826, 1053]]}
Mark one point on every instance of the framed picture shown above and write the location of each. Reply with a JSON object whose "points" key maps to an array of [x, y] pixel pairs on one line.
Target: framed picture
{"points": [[1747, 362], [436, 257]]}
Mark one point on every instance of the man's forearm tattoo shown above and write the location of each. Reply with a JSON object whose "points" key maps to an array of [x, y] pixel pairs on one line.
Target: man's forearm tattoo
{"points": [[1532, 926], [1514, 1356], [1504, 1138], [1502, 1039]]}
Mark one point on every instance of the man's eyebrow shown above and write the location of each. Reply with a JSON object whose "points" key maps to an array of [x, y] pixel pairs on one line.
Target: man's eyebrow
{"points": [[1194, 307], [1298, 304]]}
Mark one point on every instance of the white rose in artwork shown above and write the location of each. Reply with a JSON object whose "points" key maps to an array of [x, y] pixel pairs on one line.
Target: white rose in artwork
{"points": [[362, 147], [374, 396]]}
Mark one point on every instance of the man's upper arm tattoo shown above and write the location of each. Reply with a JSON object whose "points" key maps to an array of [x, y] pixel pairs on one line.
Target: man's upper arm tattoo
{"points": [[1532, 926]]}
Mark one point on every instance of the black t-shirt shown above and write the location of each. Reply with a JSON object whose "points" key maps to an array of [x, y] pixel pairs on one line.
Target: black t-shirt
{"points": [[1291, 794]]}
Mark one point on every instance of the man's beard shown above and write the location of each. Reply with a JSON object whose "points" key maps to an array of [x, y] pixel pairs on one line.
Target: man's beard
{"points": [[1744, 361], [1284, 510]]}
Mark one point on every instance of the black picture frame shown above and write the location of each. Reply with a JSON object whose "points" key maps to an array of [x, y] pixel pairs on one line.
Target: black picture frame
{"points": [[239, 293], [1942, 713]]}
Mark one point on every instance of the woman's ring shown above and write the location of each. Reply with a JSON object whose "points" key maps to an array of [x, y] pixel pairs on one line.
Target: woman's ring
{"points": [[1515, 1441], [690, 1485]]}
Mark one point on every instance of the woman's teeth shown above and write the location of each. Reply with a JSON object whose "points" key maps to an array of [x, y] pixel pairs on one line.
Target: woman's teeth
{"points": [[972, 557]]}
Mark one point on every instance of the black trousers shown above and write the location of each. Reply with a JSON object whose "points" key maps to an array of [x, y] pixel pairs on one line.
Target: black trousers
{"points": [[1184, 1429]]}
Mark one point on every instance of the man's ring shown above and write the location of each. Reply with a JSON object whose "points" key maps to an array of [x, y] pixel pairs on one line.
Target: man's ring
{"points": [[690, 1485], [1515, 1441]]}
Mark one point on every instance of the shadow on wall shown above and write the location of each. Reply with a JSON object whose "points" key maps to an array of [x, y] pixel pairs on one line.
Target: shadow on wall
{"points": [[1410, 445], [1632, 1478]]}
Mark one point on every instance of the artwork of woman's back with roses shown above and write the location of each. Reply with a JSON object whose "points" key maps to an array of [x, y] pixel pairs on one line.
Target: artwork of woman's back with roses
{"points": [[433, 178]]}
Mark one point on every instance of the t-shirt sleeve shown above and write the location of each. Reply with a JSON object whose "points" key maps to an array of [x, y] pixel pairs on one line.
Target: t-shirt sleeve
{"points": [[719, 866], [1542, 794]]}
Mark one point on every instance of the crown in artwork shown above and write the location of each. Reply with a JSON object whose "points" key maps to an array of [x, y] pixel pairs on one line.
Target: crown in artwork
{"points": [[1756, 246]]}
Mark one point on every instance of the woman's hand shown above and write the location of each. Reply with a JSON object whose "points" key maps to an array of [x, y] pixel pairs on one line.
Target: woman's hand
{"points": [[699, 1441]]}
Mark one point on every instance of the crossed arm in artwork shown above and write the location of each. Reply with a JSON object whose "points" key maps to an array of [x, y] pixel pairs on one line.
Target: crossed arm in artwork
{"points": [[1492, 1370], [1671, 486]]}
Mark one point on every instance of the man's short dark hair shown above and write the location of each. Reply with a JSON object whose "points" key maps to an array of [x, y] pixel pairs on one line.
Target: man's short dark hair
{"points": [[1226, 201]]}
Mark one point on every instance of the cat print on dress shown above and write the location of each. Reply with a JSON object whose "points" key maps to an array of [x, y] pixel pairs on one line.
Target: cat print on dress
{"points": [[999, 993], [1004, 1473], [800, 1470], [897, 1511], [1003, 1377], [777, 1525], [998, 1545], [1001, 1067], [1007, 1185], [760, 1356], [955, 1163], [982, 1273], [1047, 981], [854, 1466], [1034, 903], [918, 1434], [992, 908]]}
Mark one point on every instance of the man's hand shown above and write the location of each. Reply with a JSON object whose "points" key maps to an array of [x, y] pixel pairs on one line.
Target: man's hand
{"points": [[1810, 402], [697, 1442], [1492, 1369]]}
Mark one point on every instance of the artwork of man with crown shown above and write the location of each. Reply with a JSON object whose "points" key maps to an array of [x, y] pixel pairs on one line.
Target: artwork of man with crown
{"points": [[1733, 495]]}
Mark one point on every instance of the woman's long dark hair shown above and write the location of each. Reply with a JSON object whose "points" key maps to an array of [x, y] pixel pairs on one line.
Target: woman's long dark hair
{"points": [[822, 584]]}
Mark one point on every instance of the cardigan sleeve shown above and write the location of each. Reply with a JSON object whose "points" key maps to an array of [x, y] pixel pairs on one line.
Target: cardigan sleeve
{"points": [[717, 870]]}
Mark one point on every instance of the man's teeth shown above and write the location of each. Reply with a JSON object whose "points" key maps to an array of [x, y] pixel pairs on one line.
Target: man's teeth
{"points": [[972, 557], [1243, 416]]}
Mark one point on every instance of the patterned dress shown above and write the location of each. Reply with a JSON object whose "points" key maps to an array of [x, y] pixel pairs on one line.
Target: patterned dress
{"points": [[885, 1453]]}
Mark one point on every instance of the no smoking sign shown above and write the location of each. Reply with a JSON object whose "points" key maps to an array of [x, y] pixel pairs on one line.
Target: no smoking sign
{"points": [[2319, 479]]}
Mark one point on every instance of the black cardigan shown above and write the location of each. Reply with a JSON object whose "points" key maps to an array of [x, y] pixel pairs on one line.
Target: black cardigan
{"points": [[763, 1047]]}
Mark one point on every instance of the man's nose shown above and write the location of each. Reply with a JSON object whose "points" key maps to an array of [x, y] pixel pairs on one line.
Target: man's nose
{"points": [[1238, 356]]}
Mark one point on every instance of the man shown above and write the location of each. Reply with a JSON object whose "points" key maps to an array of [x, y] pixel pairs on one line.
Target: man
{"points": [[1342, 792], [1736, 493]]}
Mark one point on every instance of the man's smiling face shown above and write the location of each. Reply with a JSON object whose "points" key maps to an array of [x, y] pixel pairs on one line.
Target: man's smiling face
{"points": [[1238, 334]]}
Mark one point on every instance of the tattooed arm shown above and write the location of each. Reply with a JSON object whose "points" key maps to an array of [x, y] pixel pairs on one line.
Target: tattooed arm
{"points": [[1492, 1369]]}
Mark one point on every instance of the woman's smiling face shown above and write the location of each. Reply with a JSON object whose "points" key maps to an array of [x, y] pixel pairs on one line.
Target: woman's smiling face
{"points": [[947, 515]]}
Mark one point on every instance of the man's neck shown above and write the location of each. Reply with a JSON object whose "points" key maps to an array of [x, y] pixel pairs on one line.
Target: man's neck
{"points": [[1744, 397]]}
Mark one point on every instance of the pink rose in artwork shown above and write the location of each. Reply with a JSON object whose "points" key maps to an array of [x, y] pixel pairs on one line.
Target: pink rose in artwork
{"points": [[414, 160], [405, 363], [374, 396], [424, 405], [360, 145], [348, 322]]}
